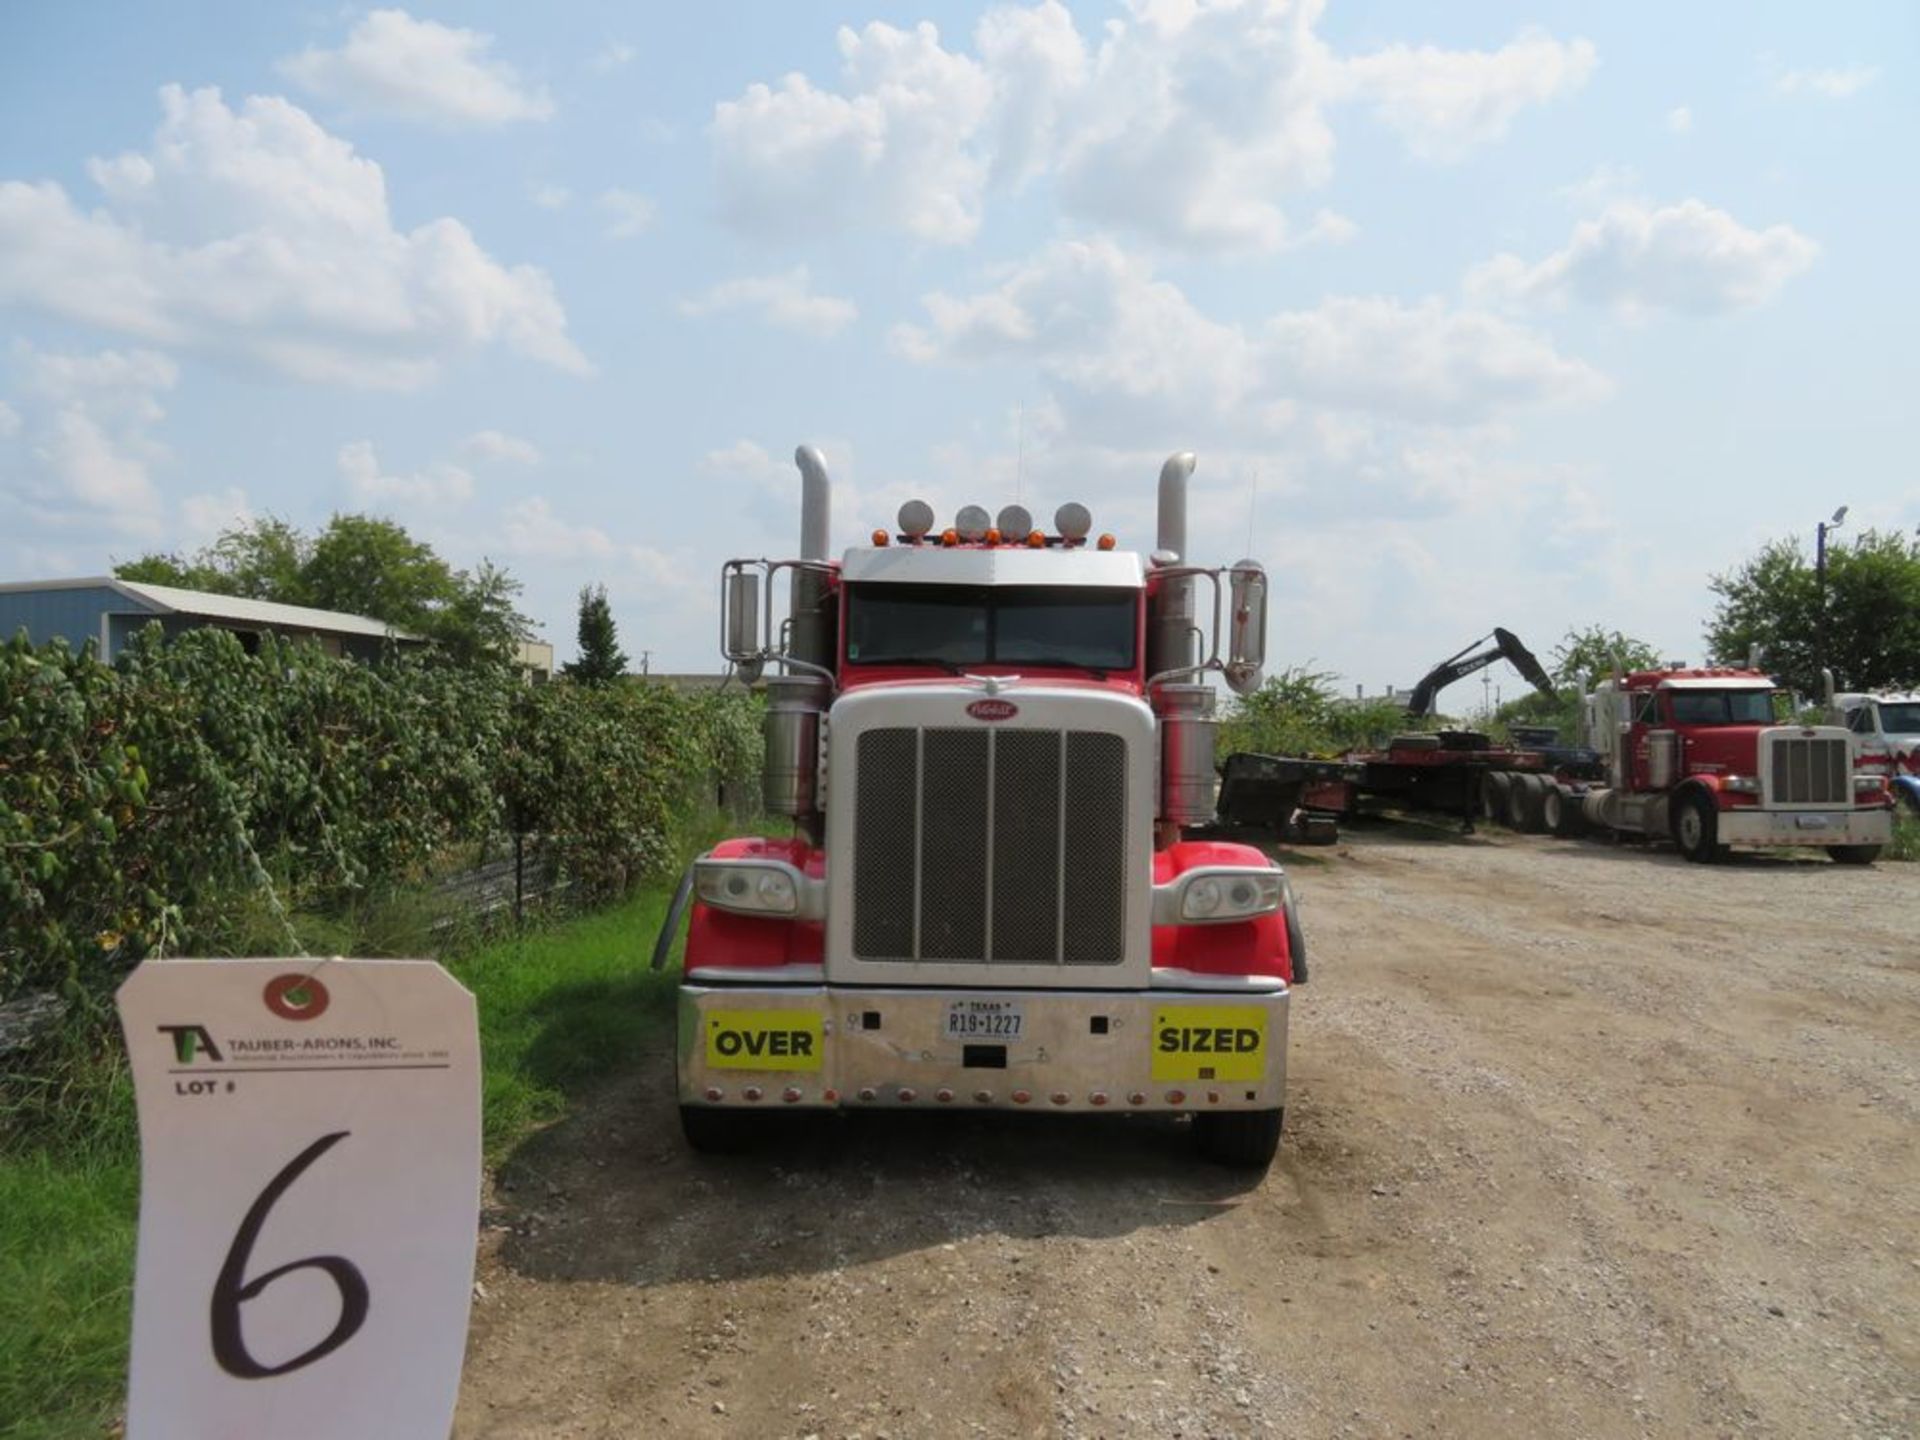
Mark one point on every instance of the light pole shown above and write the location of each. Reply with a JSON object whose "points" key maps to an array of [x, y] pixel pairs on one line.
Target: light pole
{"points": [[1820, 576]]}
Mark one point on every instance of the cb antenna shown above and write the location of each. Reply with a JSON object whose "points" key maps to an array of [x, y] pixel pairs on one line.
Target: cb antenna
{"points": [[1253, 496], [1020, 453]]}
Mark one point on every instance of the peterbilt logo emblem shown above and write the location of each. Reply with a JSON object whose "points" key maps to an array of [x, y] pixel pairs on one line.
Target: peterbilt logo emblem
{"points": [[993, 709]]}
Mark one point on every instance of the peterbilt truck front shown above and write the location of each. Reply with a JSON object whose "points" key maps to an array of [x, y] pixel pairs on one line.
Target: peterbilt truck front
{"points": [[990, 740]]}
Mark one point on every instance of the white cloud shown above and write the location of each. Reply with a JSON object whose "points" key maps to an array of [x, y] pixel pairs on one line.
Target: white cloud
{"points": [[1687, 257], [628, 213], [9, 421], [746, 460], [395, 66], [438, 486], [1100, 324], [533, 529], [82, 446], [1444, 103], [1190, 122], [1680, 119], [552, 197], [896, 149], [495, 445], [1841, 84], [616, 55], [204, 517], [787, 300], [256, 235], [1603, 185]]}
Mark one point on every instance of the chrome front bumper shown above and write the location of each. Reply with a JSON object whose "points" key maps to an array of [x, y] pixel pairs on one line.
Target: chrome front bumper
{"points": [[779, 1047], [1779, 828]]}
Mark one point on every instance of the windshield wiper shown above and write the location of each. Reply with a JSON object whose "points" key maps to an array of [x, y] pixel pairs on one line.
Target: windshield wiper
{"points": [[1099, 672], [946, 665]]}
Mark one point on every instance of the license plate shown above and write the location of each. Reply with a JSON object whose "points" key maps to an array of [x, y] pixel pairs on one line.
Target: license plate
{"points": [[1814, 822], [984, 1020]]}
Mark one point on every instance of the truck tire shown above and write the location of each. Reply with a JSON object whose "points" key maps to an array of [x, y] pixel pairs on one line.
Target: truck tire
{"points": [[715, 1131], [1493, 796], [1559, 811], [1523, 804], [1854, 854], [1696, 829], [1239, 1137]]}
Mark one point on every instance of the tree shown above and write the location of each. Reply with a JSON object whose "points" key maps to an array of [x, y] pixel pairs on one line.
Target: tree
{"points": [[1872, 606], [362, 565], [1588, 656], [601, 660]]}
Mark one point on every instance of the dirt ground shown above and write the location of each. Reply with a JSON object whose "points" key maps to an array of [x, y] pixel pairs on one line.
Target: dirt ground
{"points": [[1581, 1141]]}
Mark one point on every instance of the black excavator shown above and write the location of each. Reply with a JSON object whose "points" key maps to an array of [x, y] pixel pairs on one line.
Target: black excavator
{"points": [[1506, 646]]}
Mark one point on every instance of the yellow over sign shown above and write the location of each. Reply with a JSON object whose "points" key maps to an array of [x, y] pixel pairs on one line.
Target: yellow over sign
{"points": [[763, 1039], [1209, 1042]]}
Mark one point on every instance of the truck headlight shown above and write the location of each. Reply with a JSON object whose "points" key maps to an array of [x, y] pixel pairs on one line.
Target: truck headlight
{"points": [[1742, 784], [1862, 784], [751, 887], [1217, 895]]}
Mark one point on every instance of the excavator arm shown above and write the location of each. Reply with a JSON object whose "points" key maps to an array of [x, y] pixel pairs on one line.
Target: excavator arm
{"points": [[1506, 646]]}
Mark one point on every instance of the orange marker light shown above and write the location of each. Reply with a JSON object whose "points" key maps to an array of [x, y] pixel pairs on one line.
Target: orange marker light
{"points": [[879, 537], [993, 537], [1037, 540], [1106, 542], [949, 537]]}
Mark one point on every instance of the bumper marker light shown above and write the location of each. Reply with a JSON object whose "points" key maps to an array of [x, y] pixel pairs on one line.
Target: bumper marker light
{"points": [[832, 1097], [908, 1095], [715, 1094], [752, 1092], [1021, 1097], [790, 1095], [867, 1094], [943, 1096], [1060, 1097], [1176, 1097], [984, 1097], [1138, 1097], [1099, 1097]]}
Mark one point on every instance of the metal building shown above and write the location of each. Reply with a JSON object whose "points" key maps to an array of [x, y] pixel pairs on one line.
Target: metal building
{"points": [[109, 612]]}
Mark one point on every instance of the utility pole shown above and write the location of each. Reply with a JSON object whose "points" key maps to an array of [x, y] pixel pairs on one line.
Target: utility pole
{"points": [[646, 658], [1820, 581]]}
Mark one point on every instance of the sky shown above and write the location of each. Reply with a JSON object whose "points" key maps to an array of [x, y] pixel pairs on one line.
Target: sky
{"points": [[1535, 315]]}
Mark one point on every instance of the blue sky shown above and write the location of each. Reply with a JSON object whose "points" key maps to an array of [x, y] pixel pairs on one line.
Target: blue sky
{"points": [[1533, 315]]}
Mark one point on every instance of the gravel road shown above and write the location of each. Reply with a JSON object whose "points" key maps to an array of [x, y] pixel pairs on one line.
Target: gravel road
{"points": [[1581, 1141]]}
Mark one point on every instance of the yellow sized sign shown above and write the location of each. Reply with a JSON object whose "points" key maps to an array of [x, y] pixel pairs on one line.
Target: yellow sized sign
{"points": [[1209, 1042]]}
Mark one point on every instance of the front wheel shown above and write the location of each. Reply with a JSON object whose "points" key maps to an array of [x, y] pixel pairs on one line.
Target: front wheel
{"points": [[714, 1131], [1854, 854], [1239, 1137], [1696, 827]]}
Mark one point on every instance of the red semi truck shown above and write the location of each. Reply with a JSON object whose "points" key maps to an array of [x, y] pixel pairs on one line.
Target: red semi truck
{"points": [[1697, 755], [990, 740]]}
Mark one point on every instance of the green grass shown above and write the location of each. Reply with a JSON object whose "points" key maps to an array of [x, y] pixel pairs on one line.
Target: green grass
{"points": [[1906, 836], [560, 1007]]}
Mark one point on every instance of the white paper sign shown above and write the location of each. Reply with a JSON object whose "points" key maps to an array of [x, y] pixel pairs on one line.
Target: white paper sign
{"points": [[309, 1197]]}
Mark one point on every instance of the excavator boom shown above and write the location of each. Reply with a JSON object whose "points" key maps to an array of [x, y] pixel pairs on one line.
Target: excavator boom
{"points": [[1506, 646]]}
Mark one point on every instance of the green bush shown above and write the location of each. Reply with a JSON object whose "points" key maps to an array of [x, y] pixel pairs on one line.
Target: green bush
{"points": [[192, 796], [1298, 712]]}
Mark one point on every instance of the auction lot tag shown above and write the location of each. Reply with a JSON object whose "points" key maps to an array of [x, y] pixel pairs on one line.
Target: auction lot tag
{"points": [[309, 1197], [1209, 1042]]}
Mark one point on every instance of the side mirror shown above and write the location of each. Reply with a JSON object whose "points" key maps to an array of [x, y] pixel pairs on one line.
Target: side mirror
{"points": [[741, 622], [1246, 627]]}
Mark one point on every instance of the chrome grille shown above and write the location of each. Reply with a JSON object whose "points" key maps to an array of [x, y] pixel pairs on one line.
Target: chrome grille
{"points": [[1810, 772], [978, 845]]}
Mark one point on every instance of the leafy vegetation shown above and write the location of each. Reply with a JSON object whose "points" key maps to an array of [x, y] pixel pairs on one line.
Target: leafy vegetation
{"points": [[1298, 712], [1871, 608], [192, 794]]}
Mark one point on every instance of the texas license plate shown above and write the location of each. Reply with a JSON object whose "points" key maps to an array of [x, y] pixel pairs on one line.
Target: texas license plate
{"points": [[984, 1020]]}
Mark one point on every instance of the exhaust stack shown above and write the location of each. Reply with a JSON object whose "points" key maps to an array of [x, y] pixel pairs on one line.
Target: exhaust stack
{"points": [[1171, 645], [811, 638]]}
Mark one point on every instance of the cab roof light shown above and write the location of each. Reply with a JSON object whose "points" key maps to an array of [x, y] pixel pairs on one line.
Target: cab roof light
{"points": [[1073, 520], [916, 519], [880, 537], [1014, 520], [993, 537], [972, 523], [1106, 542], [949, 537], [1037, 540]]}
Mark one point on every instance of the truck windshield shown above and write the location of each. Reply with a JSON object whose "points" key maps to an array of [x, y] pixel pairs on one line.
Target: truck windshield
{"points": [[953, 626], [1902, 719], [1722, 707]]}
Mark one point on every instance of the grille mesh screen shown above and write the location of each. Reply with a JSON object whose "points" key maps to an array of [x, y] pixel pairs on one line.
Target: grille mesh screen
{"points": [[1811, 772], [969, 841]]}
